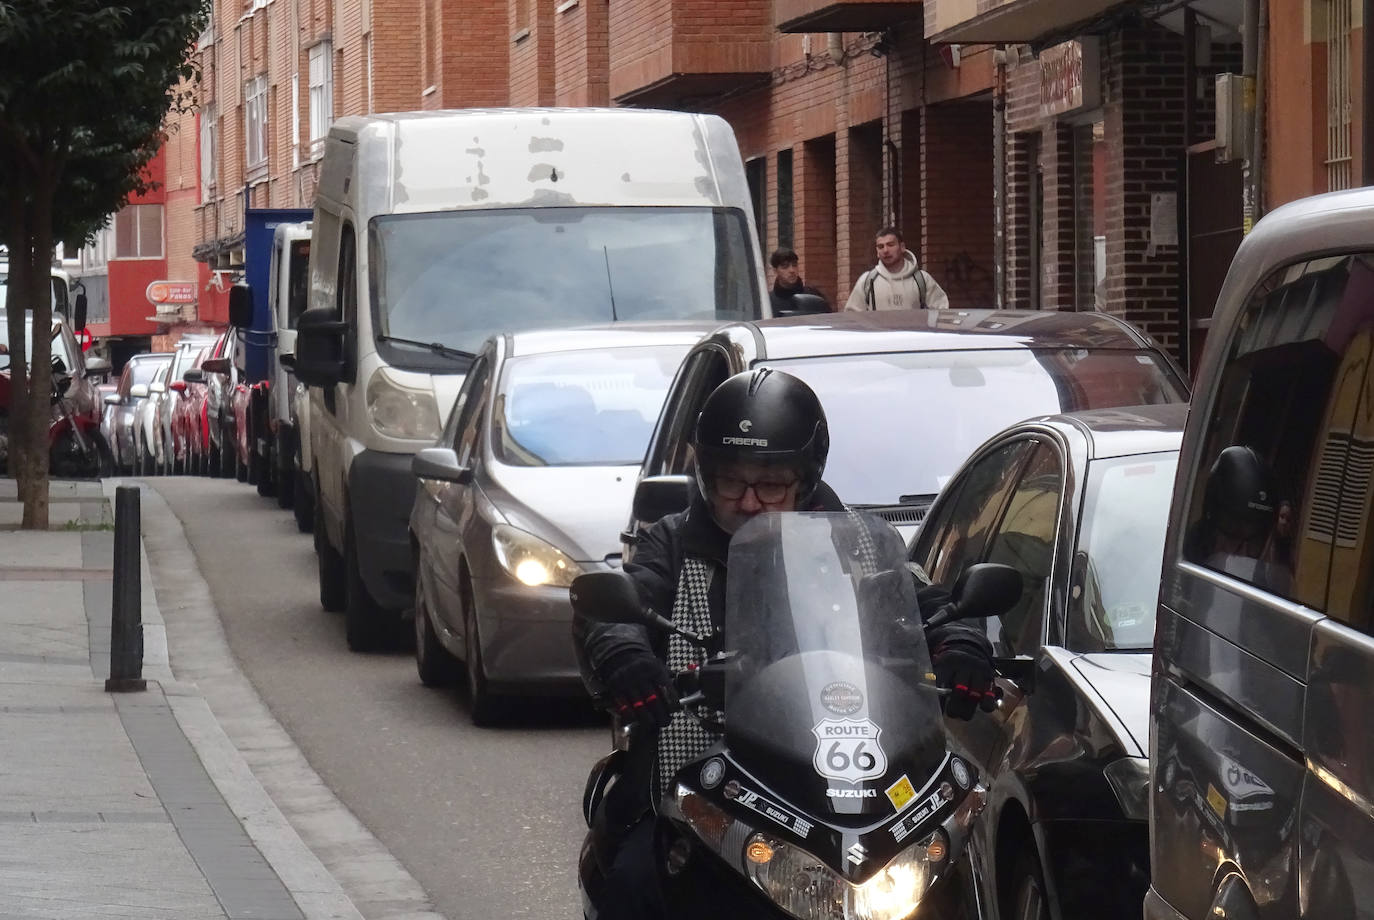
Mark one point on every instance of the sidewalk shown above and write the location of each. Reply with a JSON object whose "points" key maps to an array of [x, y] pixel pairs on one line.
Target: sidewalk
{"points": [[132, 805]]}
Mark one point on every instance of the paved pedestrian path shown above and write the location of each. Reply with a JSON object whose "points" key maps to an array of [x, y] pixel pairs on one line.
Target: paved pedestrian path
{"points": [[138, 805]]}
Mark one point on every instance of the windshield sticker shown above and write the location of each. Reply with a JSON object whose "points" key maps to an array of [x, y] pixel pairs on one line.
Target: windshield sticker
{"points": [[766, 807], [901, 793], [905, 826], [842, 698], [848, 750]]}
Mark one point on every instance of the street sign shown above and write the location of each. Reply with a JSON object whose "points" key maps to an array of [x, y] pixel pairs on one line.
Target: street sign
{"points": [[171, 293]]}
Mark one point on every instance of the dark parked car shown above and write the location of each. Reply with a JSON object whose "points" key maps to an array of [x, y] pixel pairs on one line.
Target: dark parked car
{"points": [[909, 394], [1078, 504], [531, 479]]}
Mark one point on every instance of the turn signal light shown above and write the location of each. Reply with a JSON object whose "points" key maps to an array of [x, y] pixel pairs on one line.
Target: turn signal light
{"points": [[759, 853]]}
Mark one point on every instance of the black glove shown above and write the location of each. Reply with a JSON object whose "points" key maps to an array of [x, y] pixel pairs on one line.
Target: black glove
{"points": [[641, 687], [930, 599], [962, 659]]}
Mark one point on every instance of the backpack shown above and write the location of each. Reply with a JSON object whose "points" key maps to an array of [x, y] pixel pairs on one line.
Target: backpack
{"points": [[871, 277]]}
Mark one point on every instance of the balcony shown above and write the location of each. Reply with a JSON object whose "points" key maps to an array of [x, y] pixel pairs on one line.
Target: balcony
{"points": [[667, 53], [843, 15]]}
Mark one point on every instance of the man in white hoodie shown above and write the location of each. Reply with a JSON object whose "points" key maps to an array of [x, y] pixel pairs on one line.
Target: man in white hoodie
{"points": [[897, 282]]}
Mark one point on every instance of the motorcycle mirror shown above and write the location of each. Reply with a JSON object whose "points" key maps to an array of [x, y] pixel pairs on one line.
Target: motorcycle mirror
{"points": [[610, 597], [987, 589]]}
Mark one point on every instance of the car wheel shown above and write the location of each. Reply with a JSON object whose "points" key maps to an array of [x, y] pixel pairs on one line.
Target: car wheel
{"points": [[1028, 889], [331, 568], [484, 707], [366, 624], [436, 665], [301, 504], [282, 472]]}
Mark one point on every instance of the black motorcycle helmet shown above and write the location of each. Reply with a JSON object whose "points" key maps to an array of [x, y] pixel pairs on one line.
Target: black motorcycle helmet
{"points": [[763, 416], [1238, 500]]}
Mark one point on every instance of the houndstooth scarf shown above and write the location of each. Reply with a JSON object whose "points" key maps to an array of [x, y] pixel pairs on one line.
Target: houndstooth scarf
{"points": [[685, 738]]}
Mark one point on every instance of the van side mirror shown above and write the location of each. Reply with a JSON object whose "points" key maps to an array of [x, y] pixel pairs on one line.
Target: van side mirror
{"points": [[241, 305], [79, 312], [659, 496], [320, 342]]}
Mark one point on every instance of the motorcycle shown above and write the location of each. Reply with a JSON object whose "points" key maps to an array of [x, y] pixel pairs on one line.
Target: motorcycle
{"points": [[76, 447], [828, 790]]}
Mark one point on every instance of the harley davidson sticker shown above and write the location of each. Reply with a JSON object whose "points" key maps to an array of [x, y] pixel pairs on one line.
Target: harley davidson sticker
{"points": [[848, 749], [842, 698]]}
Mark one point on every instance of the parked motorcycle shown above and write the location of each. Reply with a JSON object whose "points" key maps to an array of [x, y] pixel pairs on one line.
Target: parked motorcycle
{"points": [[829, 791], [77, 449]]}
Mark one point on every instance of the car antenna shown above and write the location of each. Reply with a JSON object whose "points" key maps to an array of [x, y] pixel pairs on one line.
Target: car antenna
{"points": [[605, 251]]}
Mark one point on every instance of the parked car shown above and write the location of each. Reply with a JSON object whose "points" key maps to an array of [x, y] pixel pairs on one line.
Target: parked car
{"points": [[183, 356], [909, 394], [190, 434], [529, 481], [1078, 504], [148, 442], [122, 409], [221, 379], [1263, 767]]}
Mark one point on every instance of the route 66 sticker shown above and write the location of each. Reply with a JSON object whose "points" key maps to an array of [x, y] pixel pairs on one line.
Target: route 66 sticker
{"points": [[848, 750]]}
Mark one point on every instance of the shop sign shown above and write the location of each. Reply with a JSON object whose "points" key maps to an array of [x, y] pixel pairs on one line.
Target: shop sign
{"points": [[1070, 78], [171, 293]]}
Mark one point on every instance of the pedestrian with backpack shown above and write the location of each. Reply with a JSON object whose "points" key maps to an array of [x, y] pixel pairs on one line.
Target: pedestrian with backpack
{"points": [[897, 282]]}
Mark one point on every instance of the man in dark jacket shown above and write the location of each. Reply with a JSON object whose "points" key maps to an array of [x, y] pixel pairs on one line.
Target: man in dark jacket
{"points": [[760, 445], [787, 283]]}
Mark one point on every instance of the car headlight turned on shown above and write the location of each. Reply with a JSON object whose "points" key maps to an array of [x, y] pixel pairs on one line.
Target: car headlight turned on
{"points": [[807, 888], [532, 561], [402, 412]]}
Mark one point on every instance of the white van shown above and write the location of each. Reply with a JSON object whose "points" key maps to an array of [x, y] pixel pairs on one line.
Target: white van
{"points": [[434, 230]]}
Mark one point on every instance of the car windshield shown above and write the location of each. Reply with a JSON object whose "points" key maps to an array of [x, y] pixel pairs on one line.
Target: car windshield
{"points": [[144, 371], [1120, 553], [901, 424], [59, 343], [458, 277], [582, 408]]}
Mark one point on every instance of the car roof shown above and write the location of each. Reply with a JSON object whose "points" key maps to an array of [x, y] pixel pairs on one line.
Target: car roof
{"points": [[152, 356], [685, 333], [880, 331], [1122, 432]]}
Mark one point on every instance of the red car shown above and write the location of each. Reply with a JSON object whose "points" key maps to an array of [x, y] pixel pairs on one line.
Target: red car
{"points": [[190, 432]]}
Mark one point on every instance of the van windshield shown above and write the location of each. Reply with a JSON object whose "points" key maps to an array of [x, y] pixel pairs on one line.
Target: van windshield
{"points": [[455, 278]]}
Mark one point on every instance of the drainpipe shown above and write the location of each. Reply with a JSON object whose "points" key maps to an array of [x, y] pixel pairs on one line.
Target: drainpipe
{"points": [[834, 43], [1261, 94], [1367, 91], [1250, 28], [999, 176]]}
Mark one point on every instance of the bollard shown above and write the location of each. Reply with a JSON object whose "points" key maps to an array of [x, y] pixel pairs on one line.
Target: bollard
{"points": [[126, 609]]}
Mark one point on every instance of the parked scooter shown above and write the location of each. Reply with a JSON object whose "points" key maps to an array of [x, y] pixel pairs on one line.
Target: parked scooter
{"points": [[77, 449], [830, 791]]}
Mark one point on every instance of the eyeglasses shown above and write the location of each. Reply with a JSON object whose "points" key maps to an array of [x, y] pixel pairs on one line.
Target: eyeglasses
{"points": [[769, 493]]}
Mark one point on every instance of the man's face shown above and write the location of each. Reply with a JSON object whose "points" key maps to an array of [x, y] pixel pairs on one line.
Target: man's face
{"points": [[788, 274], [890, 251], [741, 490]]}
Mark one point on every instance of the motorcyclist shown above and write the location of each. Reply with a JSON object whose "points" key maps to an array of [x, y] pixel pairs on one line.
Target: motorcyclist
{"points": [[760, 445]]}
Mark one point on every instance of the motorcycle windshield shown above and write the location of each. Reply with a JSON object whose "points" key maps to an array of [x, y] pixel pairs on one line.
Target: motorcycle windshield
{"points": [[831, 691]]}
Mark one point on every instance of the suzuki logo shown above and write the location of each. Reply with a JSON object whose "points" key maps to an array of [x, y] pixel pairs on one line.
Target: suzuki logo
{"points": [[745, 425], [856, 854]]}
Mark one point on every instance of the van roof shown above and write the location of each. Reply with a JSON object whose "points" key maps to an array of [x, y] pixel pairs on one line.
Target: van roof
{"points": [[502, 158]]}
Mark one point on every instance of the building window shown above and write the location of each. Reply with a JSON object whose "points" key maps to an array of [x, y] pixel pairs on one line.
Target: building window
{"points": [[255, 122], [1338, 155], [138, 232], [784, 198], [209, 150], [95, 256], [522, 16], [756, 172], [321, 95]]}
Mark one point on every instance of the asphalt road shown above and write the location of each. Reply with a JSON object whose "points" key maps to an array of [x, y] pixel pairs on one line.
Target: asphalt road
{"points": [[487, 820]]}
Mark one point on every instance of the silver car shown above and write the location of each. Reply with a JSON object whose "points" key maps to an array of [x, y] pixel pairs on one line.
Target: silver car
{"points": [[527, 488], [118, 423], [147, 436]]}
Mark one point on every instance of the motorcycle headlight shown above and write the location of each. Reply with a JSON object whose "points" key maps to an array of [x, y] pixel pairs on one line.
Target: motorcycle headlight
{"points": [[807, 888], [530, 560], [397, 411]]}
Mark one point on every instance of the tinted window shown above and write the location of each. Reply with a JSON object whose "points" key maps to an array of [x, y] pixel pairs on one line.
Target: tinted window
{"points": [[1283, 496], [468, 409], [1025, 541], [458, 277], [581, 408], [702, 373], [298, 288], [901, 424], [1120, 551]]}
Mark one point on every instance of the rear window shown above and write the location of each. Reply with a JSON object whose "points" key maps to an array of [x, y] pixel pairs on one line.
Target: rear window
{"points": [[902, 424]]}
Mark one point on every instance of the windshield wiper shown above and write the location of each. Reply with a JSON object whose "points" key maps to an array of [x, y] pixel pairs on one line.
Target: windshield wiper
{"points": [[432, 347]]}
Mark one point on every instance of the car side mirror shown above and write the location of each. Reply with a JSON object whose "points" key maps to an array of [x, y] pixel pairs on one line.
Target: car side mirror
{"points": [[194, 375], [79, 312], [660, 496], [158, 388], [139, 391], [96, 367], [215, 366], [804, 305], [114, 399], [320, 342], [440, 463], [177, 386], [241, 305], [987, 589]]}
